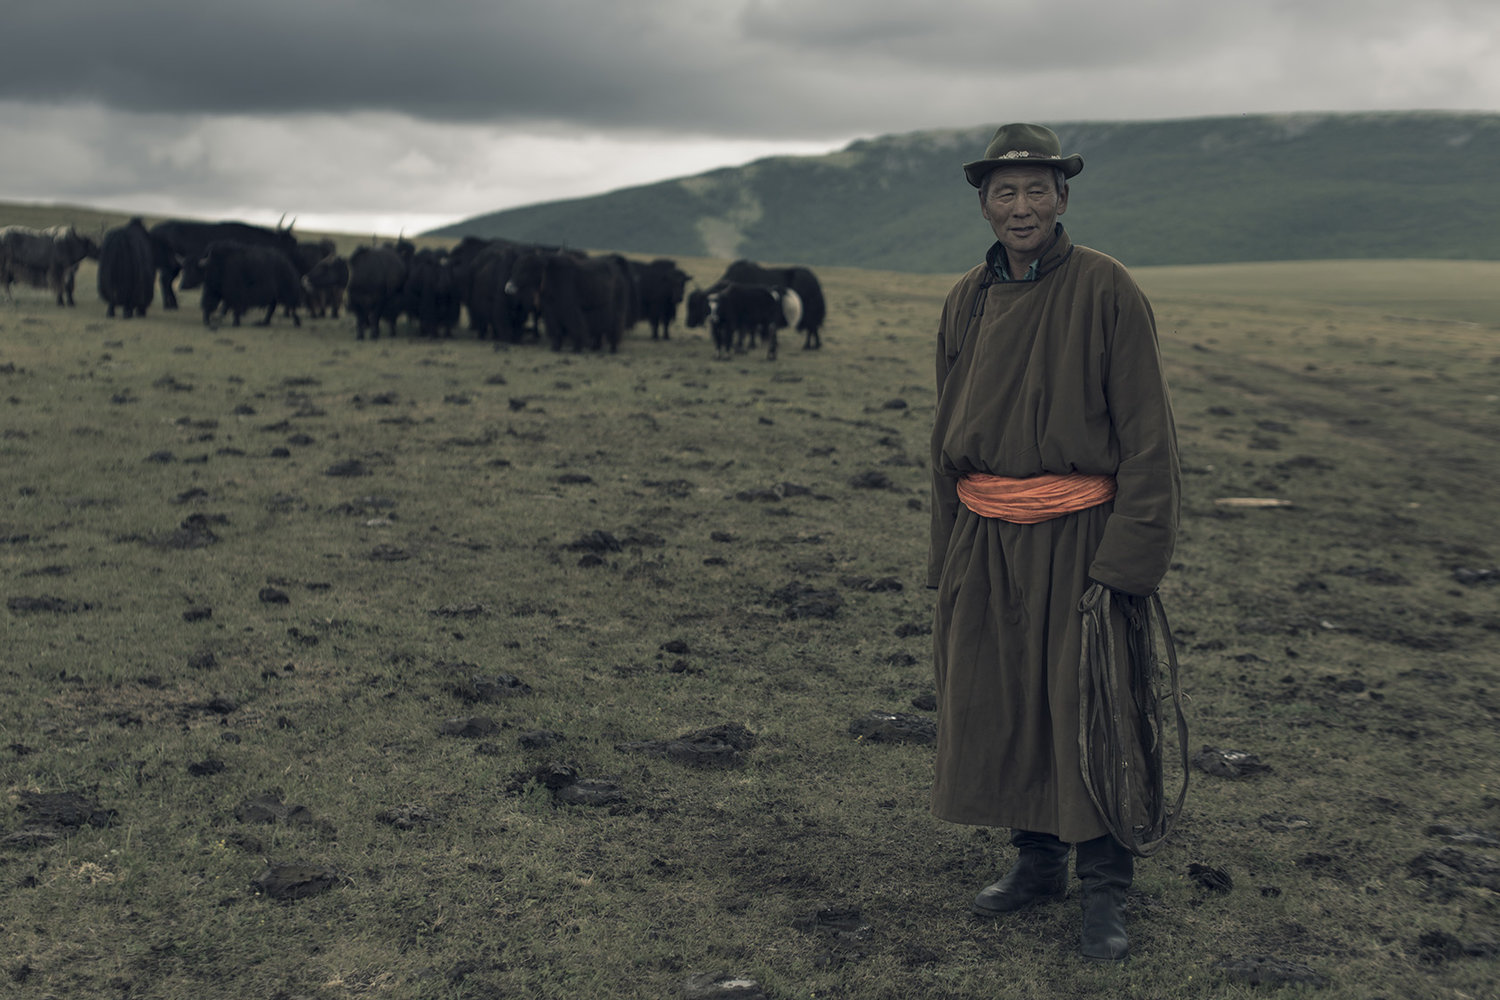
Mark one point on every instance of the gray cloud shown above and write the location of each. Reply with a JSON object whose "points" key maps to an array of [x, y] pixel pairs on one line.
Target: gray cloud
{"points": [[451, 107], [630, 64], [762, 67]]}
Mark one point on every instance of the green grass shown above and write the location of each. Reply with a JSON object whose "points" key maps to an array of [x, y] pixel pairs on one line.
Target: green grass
{"points": [[1329, 637]]}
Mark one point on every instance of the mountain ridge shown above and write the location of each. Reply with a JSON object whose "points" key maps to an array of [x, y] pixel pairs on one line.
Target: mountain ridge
{"points": [[1228, 189]]}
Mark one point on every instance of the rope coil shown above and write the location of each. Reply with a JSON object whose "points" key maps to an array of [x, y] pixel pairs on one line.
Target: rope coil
{"points": [[1120, 791]]}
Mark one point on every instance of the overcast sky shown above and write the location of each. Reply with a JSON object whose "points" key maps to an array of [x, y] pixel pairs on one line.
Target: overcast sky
{"points": [[379, 115]]}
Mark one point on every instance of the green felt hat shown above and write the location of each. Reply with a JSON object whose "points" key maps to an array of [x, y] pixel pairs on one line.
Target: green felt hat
{"points": [[1021, 144]]}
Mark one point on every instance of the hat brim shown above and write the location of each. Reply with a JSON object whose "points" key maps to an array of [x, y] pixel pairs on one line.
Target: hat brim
{"points": [[1070, 165]]}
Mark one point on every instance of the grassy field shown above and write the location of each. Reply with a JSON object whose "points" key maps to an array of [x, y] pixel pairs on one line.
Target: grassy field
{"points": [[341, 669]]}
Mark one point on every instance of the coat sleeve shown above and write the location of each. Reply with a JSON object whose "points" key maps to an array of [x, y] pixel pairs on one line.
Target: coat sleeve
{"points": [[944, 487], [1139, 536]]}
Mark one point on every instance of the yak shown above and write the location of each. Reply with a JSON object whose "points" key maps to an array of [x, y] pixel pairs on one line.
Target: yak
{"points": [[324, 284], [739, 314], [431, 295], [127, 270], [579, 298], [179, 246], [377, 278], [44, 258], [799, 279], [493, 311], [661, 285], [238, 278]]}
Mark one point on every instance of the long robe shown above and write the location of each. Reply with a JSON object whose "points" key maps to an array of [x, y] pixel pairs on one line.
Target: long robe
{"points": [[1058, 375]]}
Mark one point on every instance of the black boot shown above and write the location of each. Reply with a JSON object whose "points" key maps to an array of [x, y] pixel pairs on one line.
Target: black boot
{"points": [[1105, 868], [1040, 873]]}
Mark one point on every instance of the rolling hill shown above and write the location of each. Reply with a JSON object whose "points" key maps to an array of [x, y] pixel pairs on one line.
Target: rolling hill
{"points": [[1388, 185]]}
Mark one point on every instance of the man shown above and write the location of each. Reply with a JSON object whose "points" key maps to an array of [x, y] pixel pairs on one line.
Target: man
{"points": [[1054, 472]]}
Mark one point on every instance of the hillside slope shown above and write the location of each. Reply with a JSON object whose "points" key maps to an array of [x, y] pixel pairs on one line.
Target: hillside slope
{"points": [[1193, 191]]}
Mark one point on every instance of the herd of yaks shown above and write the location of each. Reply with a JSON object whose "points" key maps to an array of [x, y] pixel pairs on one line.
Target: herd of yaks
{"points": [[510, 291]]}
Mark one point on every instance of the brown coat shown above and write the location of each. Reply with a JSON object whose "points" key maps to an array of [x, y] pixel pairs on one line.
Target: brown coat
{"points": [[1058, 375]]}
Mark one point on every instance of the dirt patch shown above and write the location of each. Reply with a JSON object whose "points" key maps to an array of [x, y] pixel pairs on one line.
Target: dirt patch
{"points": [[718, 746], [408, 816], [721, 986], [894, 727], [1450, 870], [465, 611], [269, 808], [477, 689], [1264, 970], [469, 726], [872, 480], [294, 880], [1465, 836], [347, 468], [196, 532], [567, 786], [46, 604], [1209, 877], [803, 600], [843, 930], [69, 810], [1229, 763]]}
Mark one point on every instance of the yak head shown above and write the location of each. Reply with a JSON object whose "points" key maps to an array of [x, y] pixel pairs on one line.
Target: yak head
{"points": [[196, 268]]}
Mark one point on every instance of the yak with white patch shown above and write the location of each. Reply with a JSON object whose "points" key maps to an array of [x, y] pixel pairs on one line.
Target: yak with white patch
{"points": [[44, 258], [494, 312], [801, 280], [739, 316]]}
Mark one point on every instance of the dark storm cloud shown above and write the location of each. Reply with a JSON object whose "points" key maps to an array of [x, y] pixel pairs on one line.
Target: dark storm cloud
{"points": [[755, 67], [624, 65], [393, 111]]}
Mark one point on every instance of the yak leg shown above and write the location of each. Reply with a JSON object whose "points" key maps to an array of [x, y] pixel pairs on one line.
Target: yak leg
{"points": [[168, 296]]}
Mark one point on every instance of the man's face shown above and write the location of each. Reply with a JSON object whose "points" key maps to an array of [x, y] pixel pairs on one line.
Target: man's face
{"points": [[1022, 204]]}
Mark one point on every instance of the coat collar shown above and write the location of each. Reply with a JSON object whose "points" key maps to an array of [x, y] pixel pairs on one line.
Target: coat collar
{"points": [[1051, 259]]}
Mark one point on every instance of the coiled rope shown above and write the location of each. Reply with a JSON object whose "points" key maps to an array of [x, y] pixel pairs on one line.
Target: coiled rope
{"points": [[1119, 790]]}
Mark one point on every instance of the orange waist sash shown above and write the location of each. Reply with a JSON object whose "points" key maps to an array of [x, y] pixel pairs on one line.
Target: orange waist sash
{"points": [[1035, 498]]}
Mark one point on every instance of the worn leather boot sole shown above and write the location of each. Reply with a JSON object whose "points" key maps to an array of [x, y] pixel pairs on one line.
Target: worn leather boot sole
{"points": [[1005, 896], [1111, 955], [1116, 951]]}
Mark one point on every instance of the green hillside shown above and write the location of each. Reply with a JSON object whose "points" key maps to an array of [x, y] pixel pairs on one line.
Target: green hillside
{"points": [[1193, 191]]}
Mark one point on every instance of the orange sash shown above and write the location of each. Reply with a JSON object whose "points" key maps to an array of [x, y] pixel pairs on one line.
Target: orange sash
{"points": [[1035, 498]]}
